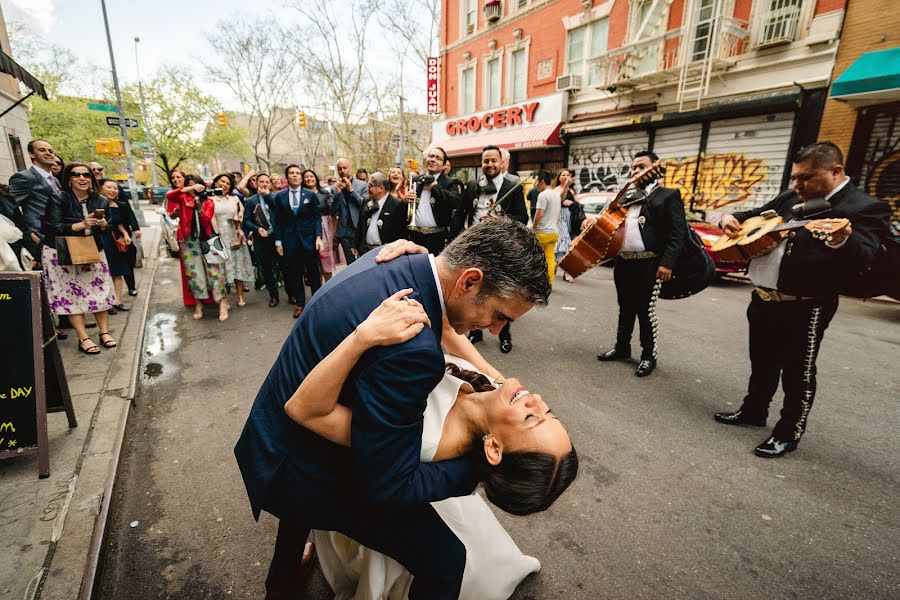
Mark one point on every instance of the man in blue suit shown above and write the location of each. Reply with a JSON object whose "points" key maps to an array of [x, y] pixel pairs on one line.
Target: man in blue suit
{"points": [[350, 195], [298, 236], [377, 491]]}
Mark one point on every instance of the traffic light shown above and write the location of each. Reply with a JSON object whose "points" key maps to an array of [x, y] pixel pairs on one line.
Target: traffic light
{"points": [[301, 119], [412, 163], [107, 147], [223, 119]]}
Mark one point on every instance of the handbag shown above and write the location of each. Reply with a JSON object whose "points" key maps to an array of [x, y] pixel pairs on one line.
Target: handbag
{"points": [[121, 245], [216, 253], [77, 250]]}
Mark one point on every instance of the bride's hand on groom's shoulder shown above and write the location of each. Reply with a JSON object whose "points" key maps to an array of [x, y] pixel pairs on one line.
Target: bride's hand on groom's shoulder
{"points": [[396, 320], [399, 248]]}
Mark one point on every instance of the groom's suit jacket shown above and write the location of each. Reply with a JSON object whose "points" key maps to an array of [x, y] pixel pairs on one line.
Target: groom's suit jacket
{"points": [[386, 390]]}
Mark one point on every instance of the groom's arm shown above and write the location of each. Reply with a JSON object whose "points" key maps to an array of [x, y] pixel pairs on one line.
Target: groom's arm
{"points": [[386, 433]]}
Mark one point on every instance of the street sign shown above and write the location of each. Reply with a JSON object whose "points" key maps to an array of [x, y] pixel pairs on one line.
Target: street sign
{"points": [[114, 122], [140, 144], [148, 154], [102, 107]]}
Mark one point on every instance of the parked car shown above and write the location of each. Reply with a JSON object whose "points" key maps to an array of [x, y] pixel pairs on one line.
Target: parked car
{"points": [[709, 235], [169, 228], [594, 202], [157, 195]]}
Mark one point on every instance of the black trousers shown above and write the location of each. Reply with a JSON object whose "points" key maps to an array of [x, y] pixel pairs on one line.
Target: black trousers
{"points": [[347, 247], [266, 256], [131, 256], [784, 342], [435, 242], [297, 263], [636, 292], [416, 537]]}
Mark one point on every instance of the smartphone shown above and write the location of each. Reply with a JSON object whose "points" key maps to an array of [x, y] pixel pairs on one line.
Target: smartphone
{"points": [[99, 213]]}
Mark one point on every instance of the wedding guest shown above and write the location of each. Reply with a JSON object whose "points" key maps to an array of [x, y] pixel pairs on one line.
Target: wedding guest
{"points": [[32, 189], [259, 219], [200, 281], [398, 182], [362, 174], [278, 182], [75, 290], [118, 239], [546, 215], [58, 166], [229, 217], [330, 254], [247, 184], [570, 219]]}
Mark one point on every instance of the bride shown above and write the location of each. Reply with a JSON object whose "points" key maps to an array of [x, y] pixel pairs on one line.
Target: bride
{"points": [[523, 455]]}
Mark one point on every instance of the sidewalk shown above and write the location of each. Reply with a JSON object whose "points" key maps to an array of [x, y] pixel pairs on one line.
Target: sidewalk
{"points": [[53, 528]]}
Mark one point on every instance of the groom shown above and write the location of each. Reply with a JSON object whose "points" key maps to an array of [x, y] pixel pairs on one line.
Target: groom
{"points": [[378, 492]]}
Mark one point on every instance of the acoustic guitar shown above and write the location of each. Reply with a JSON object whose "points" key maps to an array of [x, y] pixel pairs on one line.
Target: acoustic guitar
{"points": [[759, 235], [601, 240]]}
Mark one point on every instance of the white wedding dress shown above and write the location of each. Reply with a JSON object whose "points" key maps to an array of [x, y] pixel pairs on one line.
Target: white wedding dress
{"points": [[494, 564]]}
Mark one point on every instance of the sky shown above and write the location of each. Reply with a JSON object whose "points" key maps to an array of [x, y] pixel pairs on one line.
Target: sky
{"points": [[172, 32]]}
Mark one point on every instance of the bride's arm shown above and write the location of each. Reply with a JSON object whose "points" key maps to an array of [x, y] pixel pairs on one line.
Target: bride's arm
{"points": [[314, 405], [459, 345]]}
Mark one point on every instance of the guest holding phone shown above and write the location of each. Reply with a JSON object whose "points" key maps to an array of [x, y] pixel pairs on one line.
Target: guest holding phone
{"points": [[118, 240], [74, 290]]}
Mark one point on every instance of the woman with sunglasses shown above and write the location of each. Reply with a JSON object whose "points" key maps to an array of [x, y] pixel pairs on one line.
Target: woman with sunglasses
{"points": [[75, 290]]}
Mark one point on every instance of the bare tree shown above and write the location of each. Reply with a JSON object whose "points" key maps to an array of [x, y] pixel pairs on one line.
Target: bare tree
{"points": [[256, 64], [332, 52], [413, 26]]}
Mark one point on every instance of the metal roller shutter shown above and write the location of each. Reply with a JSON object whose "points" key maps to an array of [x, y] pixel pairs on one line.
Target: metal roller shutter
{"points": [[603, 162], [880, 176], [744, 162], [678, 147]]}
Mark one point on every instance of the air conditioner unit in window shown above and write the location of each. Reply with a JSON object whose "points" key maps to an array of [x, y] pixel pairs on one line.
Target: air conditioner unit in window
{"points": [[568, 83]]}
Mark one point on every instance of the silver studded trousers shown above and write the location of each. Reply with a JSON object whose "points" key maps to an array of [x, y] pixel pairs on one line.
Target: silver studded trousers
{"points": [[784, 342], [637, 291]]}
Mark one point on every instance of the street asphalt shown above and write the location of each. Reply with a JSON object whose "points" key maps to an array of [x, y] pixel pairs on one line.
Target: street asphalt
{"points": [[667, 504]]}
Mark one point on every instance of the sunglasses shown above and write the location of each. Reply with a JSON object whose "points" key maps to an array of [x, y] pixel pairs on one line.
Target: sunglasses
{"points": [[84, 174]]}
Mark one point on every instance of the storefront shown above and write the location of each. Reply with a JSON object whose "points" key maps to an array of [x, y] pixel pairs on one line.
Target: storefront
{"points": [[530, 130], [734, 157]]}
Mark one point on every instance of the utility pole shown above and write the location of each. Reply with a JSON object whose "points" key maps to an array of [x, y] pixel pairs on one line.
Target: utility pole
{"points": [[153, 174], [132, 187], [401, 151]]}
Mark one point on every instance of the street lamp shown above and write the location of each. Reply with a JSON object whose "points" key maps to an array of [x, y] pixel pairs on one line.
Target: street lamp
{"points": [[137, 65]]}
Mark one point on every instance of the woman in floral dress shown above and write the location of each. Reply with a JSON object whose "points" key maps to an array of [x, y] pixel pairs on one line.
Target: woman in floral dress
{"points": [[75, 290], [229, 214], [205, 283]]}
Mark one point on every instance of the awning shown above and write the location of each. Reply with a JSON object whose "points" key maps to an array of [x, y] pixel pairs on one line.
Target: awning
{"points": [[11, 67], [874, 78], [529, 136]]}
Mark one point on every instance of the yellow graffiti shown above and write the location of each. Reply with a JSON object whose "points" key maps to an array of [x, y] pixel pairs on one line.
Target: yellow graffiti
{"points": [[722, 179]]}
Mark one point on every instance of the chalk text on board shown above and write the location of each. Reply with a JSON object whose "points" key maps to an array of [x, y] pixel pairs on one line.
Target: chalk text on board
{"points": [[5, 296], [20, 392]]}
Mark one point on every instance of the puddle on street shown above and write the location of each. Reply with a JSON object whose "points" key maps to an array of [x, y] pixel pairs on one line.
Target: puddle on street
{"points": [[161, 339]]}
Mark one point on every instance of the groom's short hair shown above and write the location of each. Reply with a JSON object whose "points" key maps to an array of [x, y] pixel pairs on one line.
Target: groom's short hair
{"points": [[508, 255]]}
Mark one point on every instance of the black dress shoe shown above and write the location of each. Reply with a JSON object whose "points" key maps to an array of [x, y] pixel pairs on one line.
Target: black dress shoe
{"points": [[113, 311], [614, 354], [273, 302], [476, 336], [738, 418], [132, 292], [772, 448], [506, 345], [121, 308], [645, 367]]}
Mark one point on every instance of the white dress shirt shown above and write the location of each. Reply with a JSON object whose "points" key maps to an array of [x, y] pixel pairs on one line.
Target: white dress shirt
{"points": [[48, 177], [372, 236], [633, 241], [437, 282], [486, 200], [764, 271], [424, 213]]}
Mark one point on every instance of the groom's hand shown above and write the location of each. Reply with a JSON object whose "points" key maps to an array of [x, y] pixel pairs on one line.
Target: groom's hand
{"points": [[399, 248]]}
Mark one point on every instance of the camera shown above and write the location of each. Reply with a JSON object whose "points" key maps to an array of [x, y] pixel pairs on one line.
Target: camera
{"points": [[424, 179], [211, 192]]}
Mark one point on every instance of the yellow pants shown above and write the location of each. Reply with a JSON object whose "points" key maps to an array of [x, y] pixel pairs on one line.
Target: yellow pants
{"points": [[548, 242]]}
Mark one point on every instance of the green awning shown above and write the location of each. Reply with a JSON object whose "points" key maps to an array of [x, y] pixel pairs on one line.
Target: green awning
{"points": [[873, 77]]}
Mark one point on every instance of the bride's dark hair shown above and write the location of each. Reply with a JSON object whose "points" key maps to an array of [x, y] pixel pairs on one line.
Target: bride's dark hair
{"points": [[524, 482]]}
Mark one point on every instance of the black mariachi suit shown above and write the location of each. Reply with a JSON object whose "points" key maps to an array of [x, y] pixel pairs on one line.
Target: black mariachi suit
{"points": [[663, 232], [444, 201], [392, 219], [811, 270]]}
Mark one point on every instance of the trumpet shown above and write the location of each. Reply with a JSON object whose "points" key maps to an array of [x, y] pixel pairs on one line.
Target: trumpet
{"points": [[412, 206]]}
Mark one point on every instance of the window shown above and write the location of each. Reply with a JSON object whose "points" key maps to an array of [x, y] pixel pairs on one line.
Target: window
{"points": [[777, 21], [519, 75], [703, 30], [470, 16], [648, 55], [492, 83], [584, 44], [15, 145], [468, 90]]}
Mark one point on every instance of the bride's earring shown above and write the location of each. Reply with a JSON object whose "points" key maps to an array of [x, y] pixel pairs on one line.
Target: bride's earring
{"points": [[486, 437]]}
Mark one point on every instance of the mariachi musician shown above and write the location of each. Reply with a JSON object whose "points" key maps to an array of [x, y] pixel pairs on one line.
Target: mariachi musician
{"points": [[797, 286], [432, 203], [655, 230], [493, 195]]}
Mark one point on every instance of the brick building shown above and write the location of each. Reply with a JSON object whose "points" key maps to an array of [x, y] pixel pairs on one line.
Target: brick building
{"points": [[862, 115], [724, 90]]}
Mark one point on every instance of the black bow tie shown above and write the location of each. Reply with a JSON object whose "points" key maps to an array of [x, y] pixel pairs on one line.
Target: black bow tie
{"points": [[487, 185]]}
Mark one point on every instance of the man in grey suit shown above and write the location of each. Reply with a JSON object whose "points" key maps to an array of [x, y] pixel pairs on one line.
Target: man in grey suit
{"points": [[350, 195], [32, 189]]}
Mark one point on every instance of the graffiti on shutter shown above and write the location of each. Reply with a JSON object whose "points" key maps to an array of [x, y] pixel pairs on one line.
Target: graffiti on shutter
{"points": [[603, 163], [880, 173]]}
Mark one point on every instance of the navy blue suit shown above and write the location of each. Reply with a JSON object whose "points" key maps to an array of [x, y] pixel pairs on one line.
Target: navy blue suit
{"points": [[377, 491], [263, 247], [296, 230]]}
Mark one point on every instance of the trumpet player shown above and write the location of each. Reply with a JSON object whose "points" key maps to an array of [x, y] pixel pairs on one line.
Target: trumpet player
{"points": [[431, 199], [493, 195]]}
